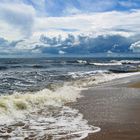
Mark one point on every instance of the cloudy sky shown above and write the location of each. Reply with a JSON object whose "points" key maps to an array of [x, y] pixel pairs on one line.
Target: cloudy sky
{"points": [[28, 19]]}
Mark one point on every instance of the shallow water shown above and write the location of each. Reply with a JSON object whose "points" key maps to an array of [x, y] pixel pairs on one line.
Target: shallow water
{"points": [[49, 123]]}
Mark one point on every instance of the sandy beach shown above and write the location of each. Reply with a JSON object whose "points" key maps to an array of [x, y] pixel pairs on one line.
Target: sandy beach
{"points": [[114, 107]]}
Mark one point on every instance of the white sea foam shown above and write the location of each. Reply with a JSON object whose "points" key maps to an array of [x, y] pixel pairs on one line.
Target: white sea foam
{"points": [[125, 61], [83, 74], [67, 124], [115, 63], [130, 61], [106, 64], [108, 77], [82, 61], [55, 119], [17, 103], [97, 77]]}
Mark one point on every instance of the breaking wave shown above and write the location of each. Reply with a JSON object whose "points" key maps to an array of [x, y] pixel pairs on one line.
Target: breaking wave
{"points": [[28, 101], [107, 64], [43, 115]]}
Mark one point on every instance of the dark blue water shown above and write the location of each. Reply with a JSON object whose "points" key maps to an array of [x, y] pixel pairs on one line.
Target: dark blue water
{"points": [[32, 74]]}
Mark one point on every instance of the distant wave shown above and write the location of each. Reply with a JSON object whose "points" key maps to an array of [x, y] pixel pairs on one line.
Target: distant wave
{"points": [[130, 62], [61, 63], [82, 61], [106, 64], [126, 61], [115, 63]]}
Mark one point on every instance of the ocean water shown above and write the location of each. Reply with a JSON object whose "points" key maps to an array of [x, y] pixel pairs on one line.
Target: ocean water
{"points": [[34, 93]]}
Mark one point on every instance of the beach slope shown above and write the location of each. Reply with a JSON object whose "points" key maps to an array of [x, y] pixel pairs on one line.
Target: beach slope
{"points": [[114, 107]]}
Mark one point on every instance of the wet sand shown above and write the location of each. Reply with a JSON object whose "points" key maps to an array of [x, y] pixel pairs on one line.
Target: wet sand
{"points": [[114, 107], [135, 85]]}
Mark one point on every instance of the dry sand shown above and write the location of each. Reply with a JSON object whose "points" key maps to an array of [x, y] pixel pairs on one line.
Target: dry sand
{"points": [[114, 107]]}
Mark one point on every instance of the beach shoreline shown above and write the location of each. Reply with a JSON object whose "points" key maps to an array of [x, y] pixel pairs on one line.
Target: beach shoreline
{"points": [[114, 107]]}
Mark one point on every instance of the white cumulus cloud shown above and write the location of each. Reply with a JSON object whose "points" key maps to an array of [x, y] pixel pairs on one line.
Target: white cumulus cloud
{"points": [[16, 20], [20, 20], [114, 22], [135, 46]]}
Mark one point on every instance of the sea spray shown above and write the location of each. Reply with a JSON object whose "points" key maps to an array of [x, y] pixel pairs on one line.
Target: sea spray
{"points": [[29, 101], [43, 115]]}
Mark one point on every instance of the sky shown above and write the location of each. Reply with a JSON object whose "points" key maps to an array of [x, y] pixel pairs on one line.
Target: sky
{"points": [[26, 20]]}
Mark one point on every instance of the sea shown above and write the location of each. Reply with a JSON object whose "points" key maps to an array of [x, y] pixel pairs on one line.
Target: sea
{"points": [[35, 94]]}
